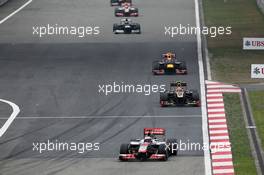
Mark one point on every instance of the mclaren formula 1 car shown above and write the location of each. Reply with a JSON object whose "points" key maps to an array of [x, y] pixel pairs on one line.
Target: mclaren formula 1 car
{"points": [[178, 95], [126, 11], [119, 2], [150, 147], [169, 65], [126, 26]]}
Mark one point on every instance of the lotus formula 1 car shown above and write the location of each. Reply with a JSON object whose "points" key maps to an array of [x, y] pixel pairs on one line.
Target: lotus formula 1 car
{"points": [[150, 147], [119, 2], [169, 65], [126, 26], [126, 10], [178, 95]]}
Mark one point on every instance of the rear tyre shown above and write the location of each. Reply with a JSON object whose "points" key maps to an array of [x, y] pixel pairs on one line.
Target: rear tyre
{"points": [[116, 10], [183, 65], [115, 27], [136, 11], [163, 98], [139, 29], [195, 95]]}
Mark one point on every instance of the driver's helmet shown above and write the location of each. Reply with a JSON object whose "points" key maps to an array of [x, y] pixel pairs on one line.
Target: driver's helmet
{"points": [[126, 20], [125, 5], [179, 89], [168, 56], [148, 139], [178, 84]]}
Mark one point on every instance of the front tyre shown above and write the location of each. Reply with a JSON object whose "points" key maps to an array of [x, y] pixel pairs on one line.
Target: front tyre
{"points": [[124, 148], [162, 150]]}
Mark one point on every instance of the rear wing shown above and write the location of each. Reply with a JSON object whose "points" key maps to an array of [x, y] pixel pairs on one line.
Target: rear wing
{"points": [[126, 4], [154, 131]]}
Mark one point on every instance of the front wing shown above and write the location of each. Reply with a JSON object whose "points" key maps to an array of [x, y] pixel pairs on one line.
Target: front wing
{"points": [[132, 157], [188, 104], [166, 71], [123, 14], [123, 32]]}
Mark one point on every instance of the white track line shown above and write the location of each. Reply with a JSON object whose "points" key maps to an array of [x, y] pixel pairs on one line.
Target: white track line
{"points": [[223, 171], [218, 131], [216, 115], [15, 112], [228, 156], [221, 86], [222, 163], [207, 158], [215, 95], [16, 11], [217, 120]]}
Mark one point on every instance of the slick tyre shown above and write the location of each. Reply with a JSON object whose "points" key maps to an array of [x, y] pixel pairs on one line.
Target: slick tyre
{"points": [[195, 95], [124, 149], [163, 98], [115, 27], [162, 150], [139, 29], [183, 65]]}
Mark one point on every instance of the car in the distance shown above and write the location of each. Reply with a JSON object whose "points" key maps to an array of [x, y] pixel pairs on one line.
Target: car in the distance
{"points": [[126, 26], [126, 11], [119, 2], [169, 65]]}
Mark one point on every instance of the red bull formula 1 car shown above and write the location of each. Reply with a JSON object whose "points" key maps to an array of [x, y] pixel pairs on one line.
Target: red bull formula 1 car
{"points": [[126, 11], [179, 95], [119, 2], [169, 65], [150, 147]]}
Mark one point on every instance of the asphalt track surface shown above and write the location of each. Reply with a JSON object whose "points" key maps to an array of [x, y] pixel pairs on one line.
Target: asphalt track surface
{"points": [[55, 80]]}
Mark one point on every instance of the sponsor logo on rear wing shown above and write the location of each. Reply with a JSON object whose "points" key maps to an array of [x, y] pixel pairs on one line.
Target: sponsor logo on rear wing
{"points": [[154, 131]]}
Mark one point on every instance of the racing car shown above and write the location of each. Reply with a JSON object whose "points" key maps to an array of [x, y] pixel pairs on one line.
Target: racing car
{"points": [[169, 65], [126, 26], [150, 147], [119, 2], [126, 10], [178, 95]]}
